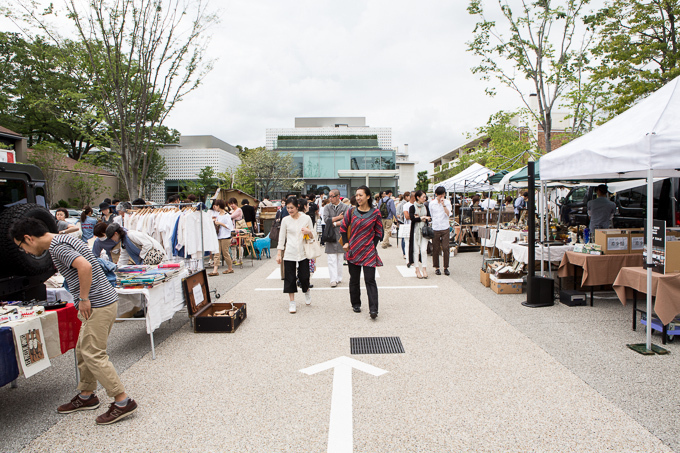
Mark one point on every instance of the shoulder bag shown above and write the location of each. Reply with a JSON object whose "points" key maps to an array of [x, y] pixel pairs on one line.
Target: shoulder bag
{"points": [[311, 246]]}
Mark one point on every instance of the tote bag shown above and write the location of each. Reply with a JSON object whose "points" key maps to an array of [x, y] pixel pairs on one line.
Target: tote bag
{"points": [[311, 246]]}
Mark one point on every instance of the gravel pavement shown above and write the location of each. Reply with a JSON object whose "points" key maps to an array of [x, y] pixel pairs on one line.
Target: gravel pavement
{"points": [[478, 374]]}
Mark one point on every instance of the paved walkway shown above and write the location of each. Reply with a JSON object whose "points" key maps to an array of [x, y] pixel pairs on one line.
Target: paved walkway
{"points": [[469, 381]]}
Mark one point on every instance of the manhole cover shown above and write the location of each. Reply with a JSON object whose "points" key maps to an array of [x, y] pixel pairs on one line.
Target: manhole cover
{"points": [[376, 345]]}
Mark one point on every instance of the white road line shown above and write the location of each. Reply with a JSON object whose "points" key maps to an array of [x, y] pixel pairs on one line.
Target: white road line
{"points": [[321, 273], [363, 287]]}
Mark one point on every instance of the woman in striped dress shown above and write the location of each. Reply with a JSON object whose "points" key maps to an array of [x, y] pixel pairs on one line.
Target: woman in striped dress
{"points": [[364, 224]]}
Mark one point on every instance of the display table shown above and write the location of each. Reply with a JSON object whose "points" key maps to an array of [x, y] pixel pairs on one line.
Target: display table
{"points": [[554, 253], [503, 239], [59, 329], [597, 269], [160, 303], [665, 290]]}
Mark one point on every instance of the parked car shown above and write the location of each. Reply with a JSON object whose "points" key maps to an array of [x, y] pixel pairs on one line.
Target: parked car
{"points": [[630, 205]]}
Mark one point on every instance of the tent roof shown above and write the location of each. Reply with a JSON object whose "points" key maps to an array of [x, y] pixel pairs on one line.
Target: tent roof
{"points": [[646, 136], [494, 179], [523, 173], [472, 179]]}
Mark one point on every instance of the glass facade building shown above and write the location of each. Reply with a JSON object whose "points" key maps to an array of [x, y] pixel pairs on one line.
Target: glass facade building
{"points": [[319, 158]]}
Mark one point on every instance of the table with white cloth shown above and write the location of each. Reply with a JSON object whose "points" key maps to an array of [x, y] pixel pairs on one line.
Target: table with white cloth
{"points": [[554, 253], [503, 240], [160, 303]]}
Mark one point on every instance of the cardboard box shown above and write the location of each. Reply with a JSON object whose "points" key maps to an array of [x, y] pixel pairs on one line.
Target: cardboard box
{"points": [[484, 278], [636, 241], [506, 286], [613, 242], [672, 257]]}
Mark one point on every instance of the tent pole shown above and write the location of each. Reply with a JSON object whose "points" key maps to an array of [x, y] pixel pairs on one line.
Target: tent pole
{"points": [[650, 258], [673, 202], [542, 209]]}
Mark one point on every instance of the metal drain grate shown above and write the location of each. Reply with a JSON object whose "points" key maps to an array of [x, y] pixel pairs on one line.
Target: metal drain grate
{"points": [[376, 345]]}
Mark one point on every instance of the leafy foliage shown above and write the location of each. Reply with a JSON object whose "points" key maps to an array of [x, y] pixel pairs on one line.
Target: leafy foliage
{"points": [[423, 182], [263, 171], [539, 47], [638, 47], [206, 182], [86, 186], [51, 159], [46, 94]]}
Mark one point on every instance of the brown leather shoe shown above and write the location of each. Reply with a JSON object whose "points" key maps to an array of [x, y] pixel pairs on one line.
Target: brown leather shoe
{"points": [[79, 404], [116, 413]]}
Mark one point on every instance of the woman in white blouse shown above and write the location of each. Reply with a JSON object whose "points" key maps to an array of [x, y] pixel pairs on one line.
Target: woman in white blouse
{"points": [[294, 227]]}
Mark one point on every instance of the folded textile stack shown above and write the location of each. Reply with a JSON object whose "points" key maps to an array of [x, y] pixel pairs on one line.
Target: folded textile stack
{"points": [[133, 277]]}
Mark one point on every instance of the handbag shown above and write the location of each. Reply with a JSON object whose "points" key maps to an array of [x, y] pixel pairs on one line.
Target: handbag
{"points": [[427, 231], [154, 257], [329, 235], [311, 246]]}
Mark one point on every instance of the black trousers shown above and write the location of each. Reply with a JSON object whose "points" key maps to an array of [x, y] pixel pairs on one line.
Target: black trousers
{"points": [[289, 277], [355, 286]]}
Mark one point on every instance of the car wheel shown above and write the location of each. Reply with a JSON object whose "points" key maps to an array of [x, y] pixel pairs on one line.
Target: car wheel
{"points": [[13, 260]]}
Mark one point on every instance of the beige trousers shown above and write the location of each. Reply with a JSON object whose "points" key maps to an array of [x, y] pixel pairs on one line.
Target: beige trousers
{"points": [[387, 227], [225, 244], [93, 361]]}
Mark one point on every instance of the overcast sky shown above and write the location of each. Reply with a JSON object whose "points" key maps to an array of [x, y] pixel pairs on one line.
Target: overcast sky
{"points": [[400, 64]]}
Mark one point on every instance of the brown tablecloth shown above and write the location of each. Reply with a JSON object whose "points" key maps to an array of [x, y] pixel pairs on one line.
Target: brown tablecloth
{"points": [[597, 269], [666, 289]]}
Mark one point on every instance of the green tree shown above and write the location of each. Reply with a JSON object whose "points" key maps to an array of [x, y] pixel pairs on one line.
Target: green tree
{"points": [[509, 147], [264, 171], [86, 184], [638, 47], [423, 182], [144, 57], [51, 159], [206, 182], [537, 43], [47, 94]]}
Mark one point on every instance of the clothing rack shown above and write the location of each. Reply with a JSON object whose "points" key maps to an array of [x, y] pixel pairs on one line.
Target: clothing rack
{"points": [[198, 207]]}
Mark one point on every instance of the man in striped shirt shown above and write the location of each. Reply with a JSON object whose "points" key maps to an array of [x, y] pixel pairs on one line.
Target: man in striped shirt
{"points": [[97, 304]]}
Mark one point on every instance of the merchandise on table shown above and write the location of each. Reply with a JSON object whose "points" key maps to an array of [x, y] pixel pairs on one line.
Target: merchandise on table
{"points": [[29, 342], [142, 276]]}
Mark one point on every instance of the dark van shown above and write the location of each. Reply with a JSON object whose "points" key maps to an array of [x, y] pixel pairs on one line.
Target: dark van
{"points": [[630, 205]]}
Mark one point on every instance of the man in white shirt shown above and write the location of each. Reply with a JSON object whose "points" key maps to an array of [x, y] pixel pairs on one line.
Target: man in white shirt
{"points": [[440, 210], [488, 204]]}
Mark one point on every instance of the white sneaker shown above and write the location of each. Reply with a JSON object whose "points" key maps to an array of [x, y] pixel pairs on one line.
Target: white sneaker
{"points": [[291, 307], [308, 297], [334, 284]]}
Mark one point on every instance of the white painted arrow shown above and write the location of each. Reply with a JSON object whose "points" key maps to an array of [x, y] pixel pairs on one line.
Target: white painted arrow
{"points": [[340, 432]]}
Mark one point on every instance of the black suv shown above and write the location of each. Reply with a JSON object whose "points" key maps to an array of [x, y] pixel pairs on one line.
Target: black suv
{"points": [[630, 205], [22, 194]]}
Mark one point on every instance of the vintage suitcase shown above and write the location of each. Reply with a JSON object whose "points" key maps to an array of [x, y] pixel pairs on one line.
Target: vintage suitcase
{"points": [[202, 310]]}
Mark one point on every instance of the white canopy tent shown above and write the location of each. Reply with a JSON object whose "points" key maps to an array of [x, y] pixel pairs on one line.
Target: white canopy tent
{"points": [[472, 179], [642, 142]]}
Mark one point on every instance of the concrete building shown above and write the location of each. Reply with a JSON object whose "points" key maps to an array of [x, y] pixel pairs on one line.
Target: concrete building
{"points": [[407, 170], [185, 160], [338, 153]]}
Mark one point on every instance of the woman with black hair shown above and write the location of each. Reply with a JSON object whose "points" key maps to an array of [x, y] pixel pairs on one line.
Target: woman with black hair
{"points": [[417, 251], [294, 227], [361, 231], [87, 223], [138, 247]]}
